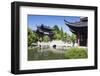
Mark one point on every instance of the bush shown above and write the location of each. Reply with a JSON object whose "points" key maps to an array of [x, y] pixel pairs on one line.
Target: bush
{"points": [[76, 53], [46, 39]]}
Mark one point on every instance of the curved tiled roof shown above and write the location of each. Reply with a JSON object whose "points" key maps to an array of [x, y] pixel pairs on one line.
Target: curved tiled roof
{"points": [[77, 24], [80, 26]]}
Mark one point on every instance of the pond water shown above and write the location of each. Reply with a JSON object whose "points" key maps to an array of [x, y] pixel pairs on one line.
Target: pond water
{"points": [[45, 54]]}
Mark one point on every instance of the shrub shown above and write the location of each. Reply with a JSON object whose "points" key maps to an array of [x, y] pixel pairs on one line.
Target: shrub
{"points": [[76, 53], [46, 39]]}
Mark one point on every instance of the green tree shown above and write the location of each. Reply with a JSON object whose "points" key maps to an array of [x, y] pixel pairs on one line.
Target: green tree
{"points": [[56, 31], [62, 34], [31, 37], [65, 36], [46, 39], [73, 38], [68, 38]]}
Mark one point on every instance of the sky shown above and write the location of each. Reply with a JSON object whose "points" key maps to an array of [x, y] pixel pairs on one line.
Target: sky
{"points": [[35, 20]]}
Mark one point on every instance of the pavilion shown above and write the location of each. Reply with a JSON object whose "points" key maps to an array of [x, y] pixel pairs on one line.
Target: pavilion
{"points": [[80, 30], [43, 30]]}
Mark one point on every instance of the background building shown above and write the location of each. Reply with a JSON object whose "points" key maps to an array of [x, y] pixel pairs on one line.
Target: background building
{"points": [[80, 30]]}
